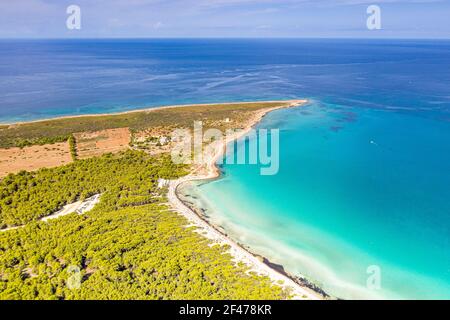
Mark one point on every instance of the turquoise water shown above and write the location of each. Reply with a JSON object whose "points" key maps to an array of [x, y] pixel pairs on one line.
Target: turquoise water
{"points": [[356, 188], [364, 169]]}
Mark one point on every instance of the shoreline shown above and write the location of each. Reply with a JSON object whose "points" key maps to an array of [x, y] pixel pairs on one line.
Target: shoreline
{"points": [[256, 263], [147, 109]]}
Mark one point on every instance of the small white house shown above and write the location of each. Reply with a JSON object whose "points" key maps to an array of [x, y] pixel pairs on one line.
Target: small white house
{"points": [[163, 141], [162, 183]]}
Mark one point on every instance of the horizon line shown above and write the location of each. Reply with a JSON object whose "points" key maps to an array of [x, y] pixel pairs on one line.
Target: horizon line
{"points": [[223, 38]]}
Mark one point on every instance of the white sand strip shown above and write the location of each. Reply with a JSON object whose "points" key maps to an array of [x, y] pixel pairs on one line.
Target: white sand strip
{"points": [[79, 207]]}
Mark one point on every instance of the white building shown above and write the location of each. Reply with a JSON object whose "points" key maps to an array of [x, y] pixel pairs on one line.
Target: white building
{"points": [[162, 183]]}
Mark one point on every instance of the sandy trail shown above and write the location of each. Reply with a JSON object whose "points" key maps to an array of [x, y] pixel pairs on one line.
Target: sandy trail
{"points": [[79, 207]]}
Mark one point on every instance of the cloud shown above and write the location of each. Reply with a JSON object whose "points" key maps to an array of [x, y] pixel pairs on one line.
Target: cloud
{"points": [[158, 25]]}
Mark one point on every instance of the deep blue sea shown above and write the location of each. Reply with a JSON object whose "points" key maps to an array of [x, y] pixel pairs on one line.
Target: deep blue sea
{"points": [[364, 168]]}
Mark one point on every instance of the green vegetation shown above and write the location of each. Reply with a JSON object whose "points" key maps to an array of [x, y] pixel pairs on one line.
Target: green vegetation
{"points": [[130, 246], [58, 130], [29, 196], [73, 147], [39, 141]]}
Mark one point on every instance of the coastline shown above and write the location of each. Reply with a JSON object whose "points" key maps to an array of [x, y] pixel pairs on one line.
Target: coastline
{"points": [[147, 110], [299, 288], [257, 264]]}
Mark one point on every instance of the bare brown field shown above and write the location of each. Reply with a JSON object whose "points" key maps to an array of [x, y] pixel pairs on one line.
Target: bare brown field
{"points": [[33, 158], [92, 144]]}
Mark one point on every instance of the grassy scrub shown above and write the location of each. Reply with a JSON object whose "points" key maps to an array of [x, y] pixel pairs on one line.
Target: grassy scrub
{"points": [[59, 130], [38, 141], [73, 147], [130, 246]]}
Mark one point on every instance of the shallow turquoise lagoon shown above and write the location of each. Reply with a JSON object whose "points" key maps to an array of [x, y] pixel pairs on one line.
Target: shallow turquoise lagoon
{"points": [[357, 189]]}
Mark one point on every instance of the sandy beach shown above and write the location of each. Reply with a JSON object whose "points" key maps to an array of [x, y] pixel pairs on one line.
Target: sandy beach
{"points": [[240, 254]]}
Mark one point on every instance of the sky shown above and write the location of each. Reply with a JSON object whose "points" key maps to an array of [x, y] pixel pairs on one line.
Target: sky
{"points": [[225, 19]]}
